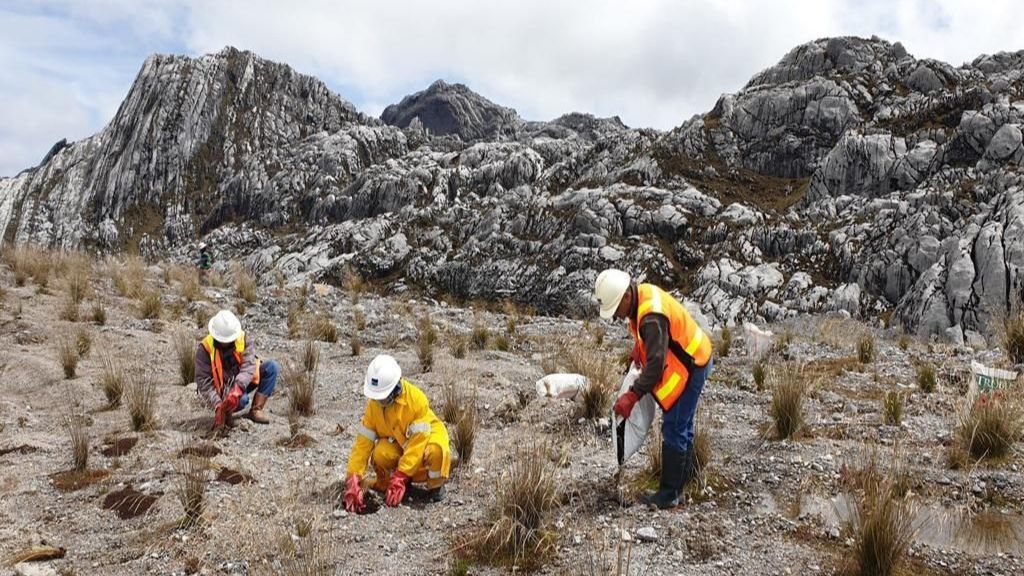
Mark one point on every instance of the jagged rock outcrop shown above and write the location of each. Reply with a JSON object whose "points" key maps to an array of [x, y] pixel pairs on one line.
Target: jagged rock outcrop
{"points": [[453, 109], [850, 177]]}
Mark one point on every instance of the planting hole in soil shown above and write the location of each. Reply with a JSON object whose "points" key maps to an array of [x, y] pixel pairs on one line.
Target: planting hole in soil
{"points": [[129, 502], [202, 450], [71, 480], [119, 446], [233, 476]]}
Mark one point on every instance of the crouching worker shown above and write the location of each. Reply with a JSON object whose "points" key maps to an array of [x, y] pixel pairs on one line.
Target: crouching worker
{"points": [[401, 434], [229, 374]]}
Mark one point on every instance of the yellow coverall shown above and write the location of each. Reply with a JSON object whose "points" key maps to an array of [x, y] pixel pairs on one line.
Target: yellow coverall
{"points": [[407, 436]]}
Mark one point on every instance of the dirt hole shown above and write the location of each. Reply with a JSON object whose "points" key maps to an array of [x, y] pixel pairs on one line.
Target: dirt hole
{"points": [[22, 449], [119, 447], [334, 494], [233, 476], [202, 450], [300, 440], [129, 502], [71, 480]]}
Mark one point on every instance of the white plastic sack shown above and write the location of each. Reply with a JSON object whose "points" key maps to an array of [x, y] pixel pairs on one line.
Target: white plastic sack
{"points": [[561, 385], [987, 380], [629, 435], [758, 341]]}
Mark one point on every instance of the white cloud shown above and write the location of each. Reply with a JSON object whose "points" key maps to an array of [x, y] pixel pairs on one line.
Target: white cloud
{"points": [[652, 62]]}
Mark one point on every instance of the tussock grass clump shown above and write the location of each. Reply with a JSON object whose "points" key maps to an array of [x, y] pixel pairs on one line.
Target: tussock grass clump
{"points": [[355, 343], [892, 408], [519, 534], [881, 521], [140, 400], [190, 289], [502, 343], [245, 284], [426, 336], [457, 346], [788, 392], [866, 349], [1013, 338], [301, 389], [67, 355], [294, 323], [83, 342], [465, 420], [112, 380], [926, 377], [78, 279], [601, 372], [359, 319], [451, 399], [724, 342], [310, 356], [479, 337], [150, 305], [185, 351], [322, 328], [70, 310], [99, 312], [353, 283], [992, 425], [202, 316], [193, 472], [128, 276], [904, 342], [78, 433], [758, 372]]}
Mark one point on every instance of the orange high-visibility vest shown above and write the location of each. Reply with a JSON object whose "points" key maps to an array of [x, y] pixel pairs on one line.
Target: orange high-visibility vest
{"points": [[688, 345], [217, 367]]}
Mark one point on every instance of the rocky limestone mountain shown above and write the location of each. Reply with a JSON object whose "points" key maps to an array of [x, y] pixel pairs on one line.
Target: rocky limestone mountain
{"points": [[848, 177]]}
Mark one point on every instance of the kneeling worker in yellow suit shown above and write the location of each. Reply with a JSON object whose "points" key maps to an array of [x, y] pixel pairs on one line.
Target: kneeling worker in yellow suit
{"points": [[405, 439]]}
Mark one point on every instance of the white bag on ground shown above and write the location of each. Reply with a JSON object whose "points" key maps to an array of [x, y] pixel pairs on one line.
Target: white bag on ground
{"points": [[758, 341], [629, 435], [561, 385]]}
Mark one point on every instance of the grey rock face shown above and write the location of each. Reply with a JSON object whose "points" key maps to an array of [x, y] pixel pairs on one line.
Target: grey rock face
{"points": [[849, 177], [454, 109]]}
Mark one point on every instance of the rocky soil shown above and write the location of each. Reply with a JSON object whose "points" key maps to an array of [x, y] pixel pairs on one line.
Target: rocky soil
{"points": [[766, 506], [849, 176]]}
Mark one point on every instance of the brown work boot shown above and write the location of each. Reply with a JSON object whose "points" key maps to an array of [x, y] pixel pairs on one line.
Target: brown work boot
{"points": [[256, 412]]}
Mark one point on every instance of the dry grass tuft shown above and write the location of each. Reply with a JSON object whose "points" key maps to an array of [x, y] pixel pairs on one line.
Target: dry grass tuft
{"points": [[926, 377], [426, 336], [128, 276], [518, 534], [480, 336], [202, 316], [67, 355], [245, 284], [355, 343], [78, 279], [758, 372], [353, 283], [788, 392], [724, 342], [322, 328], [112, 380], [294, 323], [882, 523], [904, 342], [310, 356], [185, 351], [602, 373], [1013, 338], [866, 349], [301, 389], [992, 425], [83, 342], [501, 342], [140, 400], [70, 311], [190, 289], [892, 408], [99, 312], [78, 434], [193, 472], [464, 432], [150, 305], [457, 346]]}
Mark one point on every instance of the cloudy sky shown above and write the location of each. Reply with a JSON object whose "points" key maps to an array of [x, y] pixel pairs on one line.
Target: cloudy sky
{"points": [[66, 64]]}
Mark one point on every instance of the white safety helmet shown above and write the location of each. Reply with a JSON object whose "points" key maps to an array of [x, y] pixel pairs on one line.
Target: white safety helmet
{"points": [[609, 288], [225, 327], [382, 376]]}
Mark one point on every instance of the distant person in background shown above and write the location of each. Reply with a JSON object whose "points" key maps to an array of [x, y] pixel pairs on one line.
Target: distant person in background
{"points": [[205, 260], [675, 356], [401, 434], [229, 374]]}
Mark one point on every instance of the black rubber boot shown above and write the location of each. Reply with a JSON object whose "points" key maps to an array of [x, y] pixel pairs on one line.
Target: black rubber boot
{"points": [[437, 494], [676, 468]]}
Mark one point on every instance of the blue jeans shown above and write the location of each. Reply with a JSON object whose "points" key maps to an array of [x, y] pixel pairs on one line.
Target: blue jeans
{"points": [[268, 380], [677, 424]]}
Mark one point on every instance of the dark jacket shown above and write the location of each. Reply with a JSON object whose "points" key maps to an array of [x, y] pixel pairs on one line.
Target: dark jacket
{"points": [[242, 375], [654, 331]]}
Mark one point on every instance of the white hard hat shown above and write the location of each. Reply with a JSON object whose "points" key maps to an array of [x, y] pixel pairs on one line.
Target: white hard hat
{"points": [[382, 376], [609, 288], [225, 327]]}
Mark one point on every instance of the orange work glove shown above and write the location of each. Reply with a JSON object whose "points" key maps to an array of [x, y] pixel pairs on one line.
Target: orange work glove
{"points": [[354, 494], [396, 489]]}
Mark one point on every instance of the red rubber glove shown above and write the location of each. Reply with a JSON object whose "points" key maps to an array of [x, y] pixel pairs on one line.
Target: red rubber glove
{"points": [[354, 494], [396, 489], [230, 402], [624, 405]]}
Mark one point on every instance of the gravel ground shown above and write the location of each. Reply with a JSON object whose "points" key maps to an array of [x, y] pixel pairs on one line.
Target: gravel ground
{"points": [[767, 507]]}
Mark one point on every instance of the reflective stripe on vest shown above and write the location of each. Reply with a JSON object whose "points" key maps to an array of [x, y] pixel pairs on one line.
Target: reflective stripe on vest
{"points": [[682, 329], [217, 367]]}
